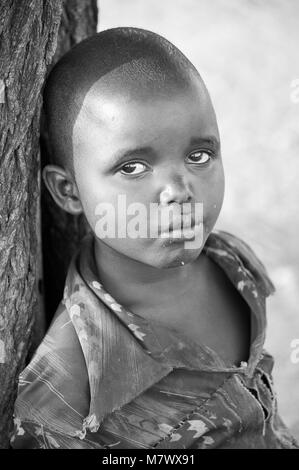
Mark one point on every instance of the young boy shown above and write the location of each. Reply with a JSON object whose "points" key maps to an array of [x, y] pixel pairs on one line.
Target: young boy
{"points": [[158, 342]]}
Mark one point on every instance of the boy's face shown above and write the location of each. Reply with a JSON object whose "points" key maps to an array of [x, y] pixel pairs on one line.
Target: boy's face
{"points": [[160, 149]]}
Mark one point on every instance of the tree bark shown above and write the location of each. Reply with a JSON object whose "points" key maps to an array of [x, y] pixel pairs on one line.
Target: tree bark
{"points": [[28, 39]]}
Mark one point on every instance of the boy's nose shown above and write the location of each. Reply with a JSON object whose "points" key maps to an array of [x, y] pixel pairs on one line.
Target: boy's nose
{"points": [[176, 189]]}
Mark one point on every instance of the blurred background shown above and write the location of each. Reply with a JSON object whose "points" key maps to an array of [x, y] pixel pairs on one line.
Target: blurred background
{"points": [[247, 53]]}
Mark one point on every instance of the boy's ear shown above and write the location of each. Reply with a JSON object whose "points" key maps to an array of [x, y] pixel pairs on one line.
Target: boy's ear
{"points": [[62, 188]]}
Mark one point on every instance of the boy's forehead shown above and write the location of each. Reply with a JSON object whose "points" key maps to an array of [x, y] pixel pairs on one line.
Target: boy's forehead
{"points": [[109, 95], [122, 118], [133, 80]]}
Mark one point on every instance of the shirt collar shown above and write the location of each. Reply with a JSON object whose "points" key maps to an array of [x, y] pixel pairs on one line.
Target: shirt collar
{"points": [[125, 354]]}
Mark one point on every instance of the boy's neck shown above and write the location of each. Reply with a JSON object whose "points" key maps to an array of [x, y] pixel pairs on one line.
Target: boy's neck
{"points": [[129, 280]]}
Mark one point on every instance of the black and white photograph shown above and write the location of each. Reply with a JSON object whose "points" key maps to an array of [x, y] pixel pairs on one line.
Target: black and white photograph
{"points": [[149, 256]]}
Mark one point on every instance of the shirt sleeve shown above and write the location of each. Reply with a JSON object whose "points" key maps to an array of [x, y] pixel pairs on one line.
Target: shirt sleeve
{"points": [[28, 435], [270, 400], [287, 440], [251, 262]]}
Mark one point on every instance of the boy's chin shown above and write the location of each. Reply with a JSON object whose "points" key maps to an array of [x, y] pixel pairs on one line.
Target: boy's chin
{"points": [[158, 253], [175, 257]]}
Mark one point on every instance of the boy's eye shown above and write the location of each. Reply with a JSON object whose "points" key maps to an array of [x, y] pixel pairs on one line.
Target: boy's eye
{"points": [[134, 168], [199, 157]]}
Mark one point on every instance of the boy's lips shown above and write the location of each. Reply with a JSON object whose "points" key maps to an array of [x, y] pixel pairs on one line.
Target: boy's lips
{"points": [[182, 234], [180, 223]]}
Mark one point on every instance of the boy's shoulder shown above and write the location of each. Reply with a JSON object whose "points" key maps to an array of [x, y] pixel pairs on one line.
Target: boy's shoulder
{"points": [[250, 261], [56, 376]]}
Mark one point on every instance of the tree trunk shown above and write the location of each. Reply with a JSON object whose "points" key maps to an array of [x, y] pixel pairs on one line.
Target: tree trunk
{"points": [[28, 39]]}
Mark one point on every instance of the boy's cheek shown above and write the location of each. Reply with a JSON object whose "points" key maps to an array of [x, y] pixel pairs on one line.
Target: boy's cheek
{"points": [[213, 204], [218, 187]]}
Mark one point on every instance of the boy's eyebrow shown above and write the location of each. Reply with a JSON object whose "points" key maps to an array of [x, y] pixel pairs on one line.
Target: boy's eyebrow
{"points": [[208, 140], [122, 155]]}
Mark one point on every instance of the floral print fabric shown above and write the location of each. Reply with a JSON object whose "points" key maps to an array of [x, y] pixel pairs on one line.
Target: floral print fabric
{"points": [[104, 377]]}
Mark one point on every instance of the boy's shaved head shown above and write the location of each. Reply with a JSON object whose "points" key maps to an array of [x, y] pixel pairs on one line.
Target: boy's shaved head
{"points": [[130, 61]]}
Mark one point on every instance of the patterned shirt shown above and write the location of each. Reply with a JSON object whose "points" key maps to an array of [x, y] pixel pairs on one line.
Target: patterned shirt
{"points": [[104, 377]]}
